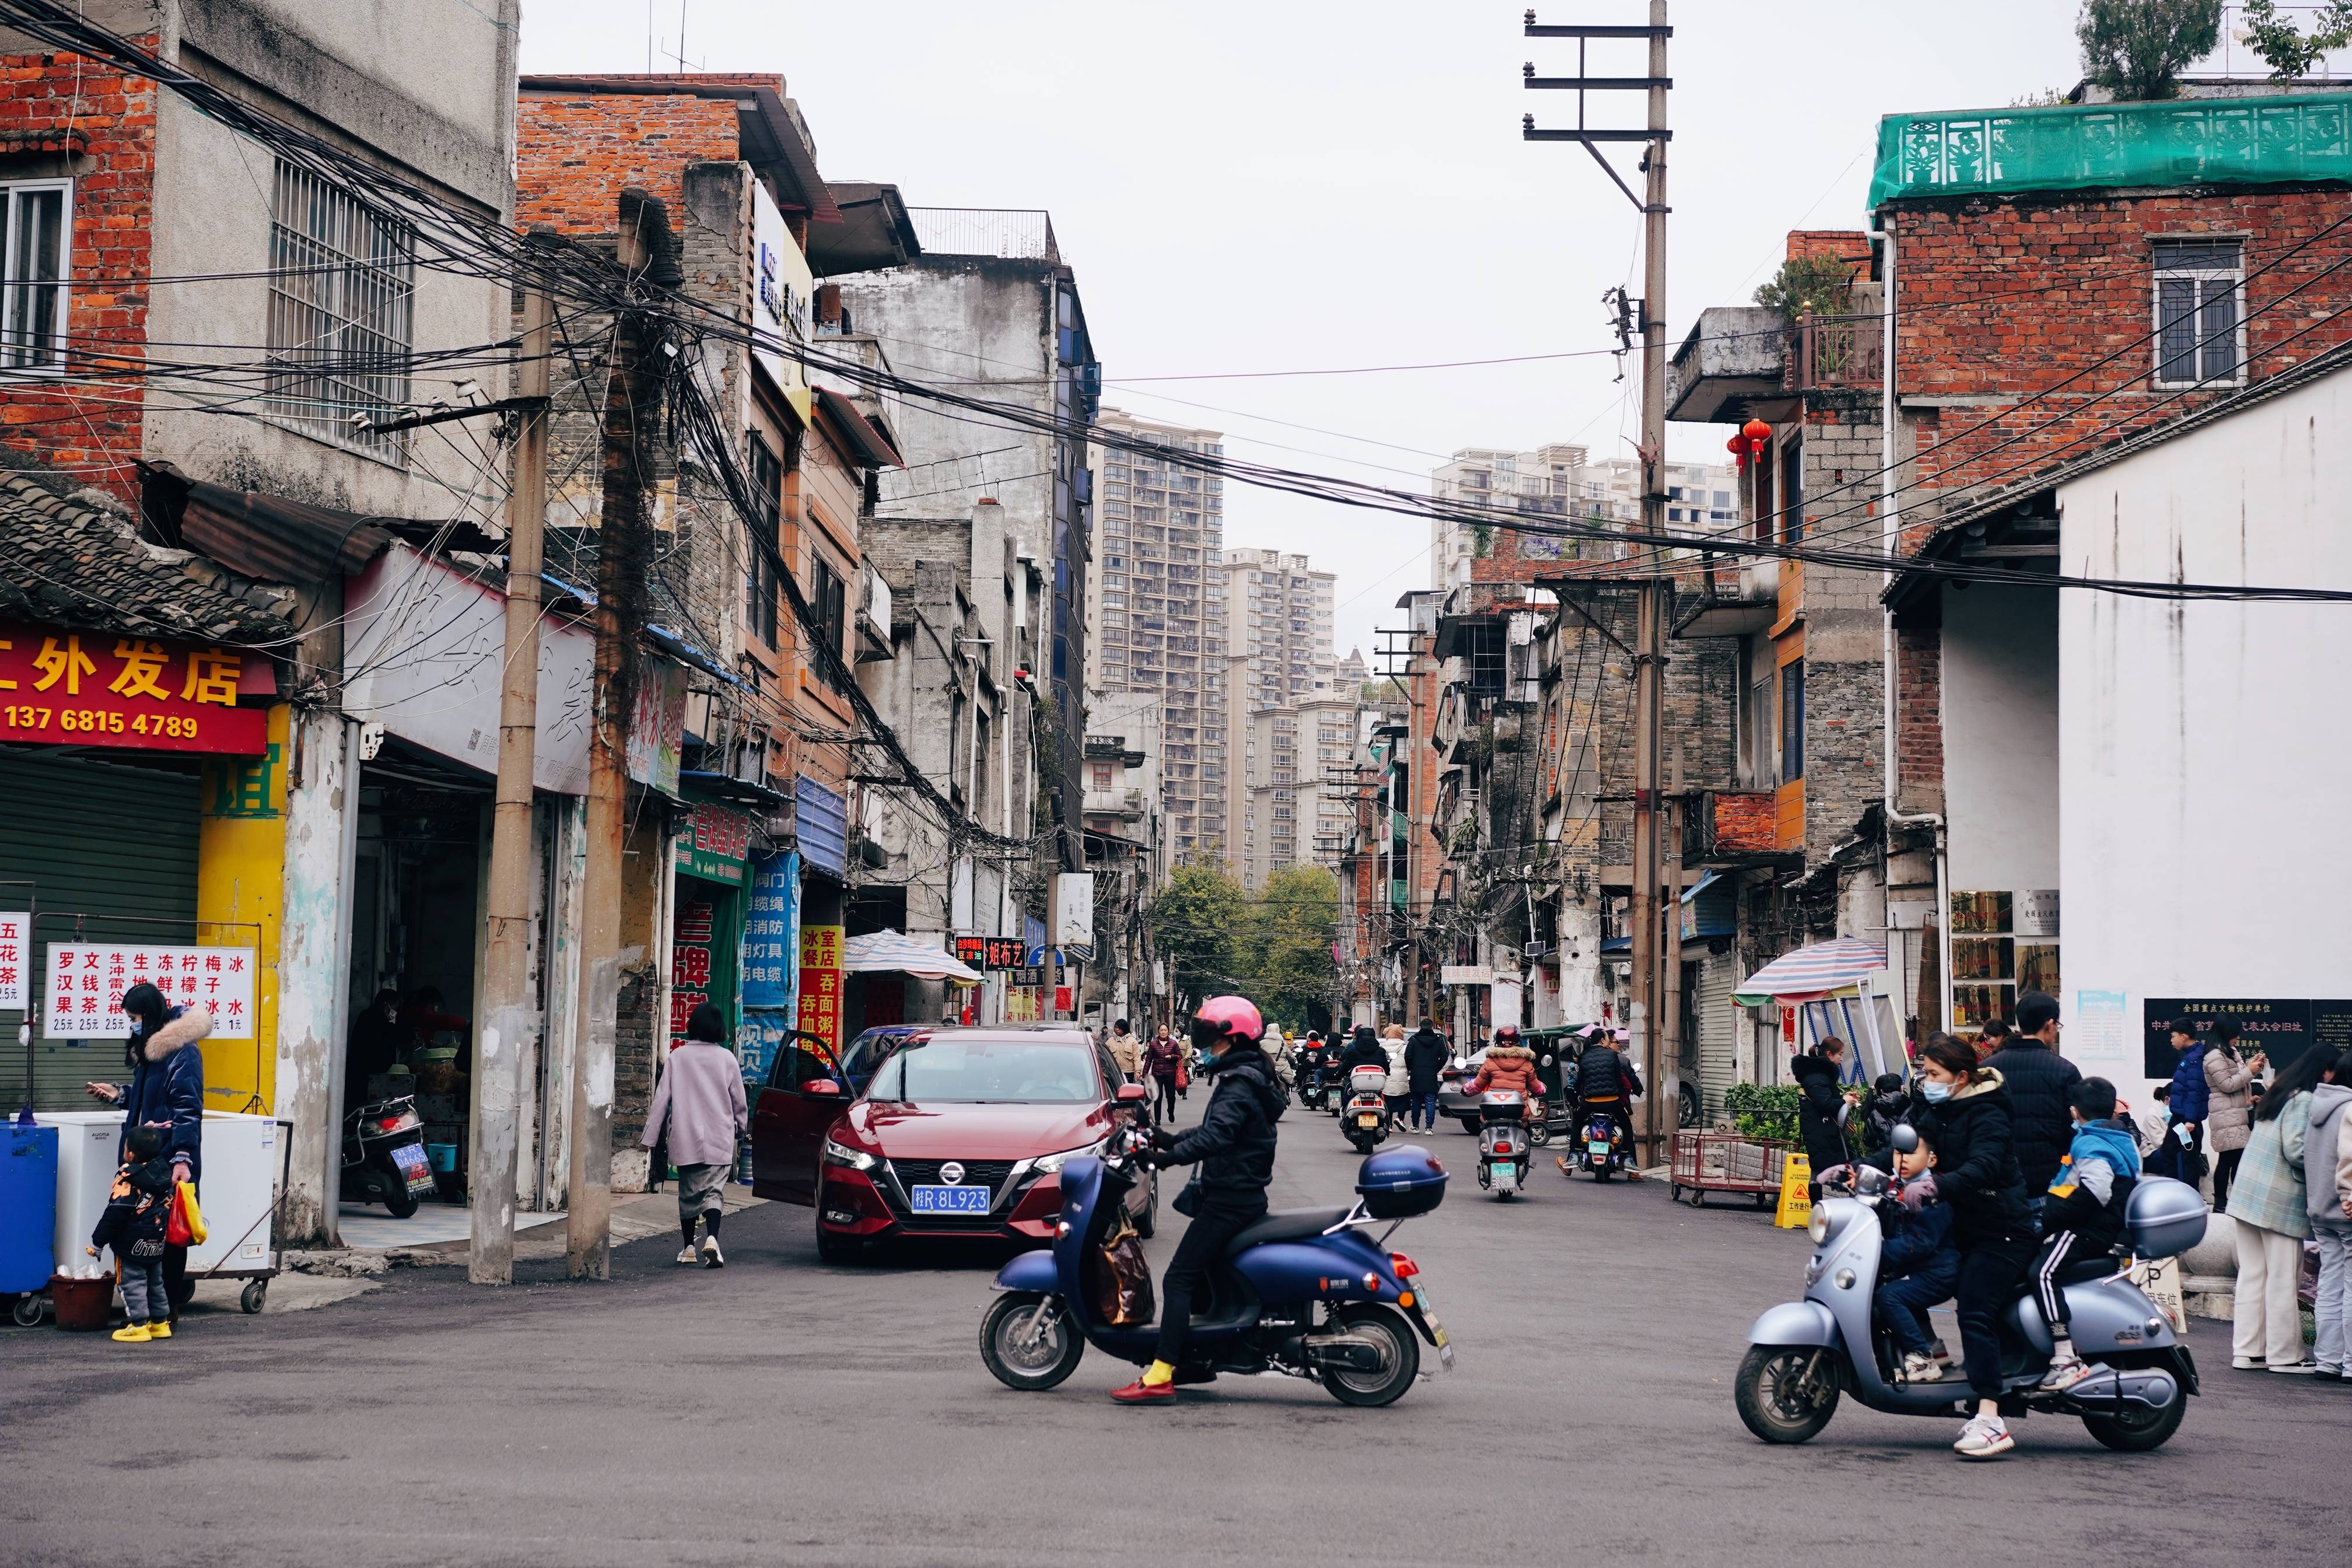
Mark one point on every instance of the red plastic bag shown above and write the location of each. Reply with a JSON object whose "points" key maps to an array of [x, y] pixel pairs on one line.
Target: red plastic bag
{"points": [[186, 1225], [1184, 1075]]}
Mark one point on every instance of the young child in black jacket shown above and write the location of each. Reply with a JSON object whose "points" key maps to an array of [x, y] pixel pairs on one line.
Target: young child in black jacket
{"points": [[138, 1212]]}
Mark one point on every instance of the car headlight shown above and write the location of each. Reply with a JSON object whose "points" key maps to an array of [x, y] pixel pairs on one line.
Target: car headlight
{"points": [[1049, 1164], [1817, 1226], [842, 1154]]}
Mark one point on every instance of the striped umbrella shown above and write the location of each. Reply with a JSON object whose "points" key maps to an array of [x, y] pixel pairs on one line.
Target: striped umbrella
{"points": [[889, 952], [1812, 972]]}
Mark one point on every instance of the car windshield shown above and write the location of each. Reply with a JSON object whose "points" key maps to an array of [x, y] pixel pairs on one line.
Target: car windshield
{"points": [[980, 1072]]}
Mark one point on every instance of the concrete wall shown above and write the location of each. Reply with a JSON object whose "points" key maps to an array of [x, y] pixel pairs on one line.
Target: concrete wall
{"points": [[2203, 756], [2001, 736]]}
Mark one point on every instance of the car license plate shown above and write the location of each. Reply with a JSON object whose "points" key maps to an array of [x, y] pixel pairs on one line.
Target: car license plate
{"points": [[414, 1168], [951, 1200], [1370, 1119]]}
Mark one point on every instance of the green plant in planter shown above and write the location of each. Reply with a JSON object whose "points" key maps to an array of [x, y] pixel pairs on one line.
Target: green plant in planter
{"points": [[1763, 1111]]}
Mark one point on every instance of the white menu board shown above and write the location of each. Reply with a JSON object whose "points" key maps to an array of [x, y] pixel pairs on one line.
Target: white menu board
{"points": [[15, 951], [86, 980]]}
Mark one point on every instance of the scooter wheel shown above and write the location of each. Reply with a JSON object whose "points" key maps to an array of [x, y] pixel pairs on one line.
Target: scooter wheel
{"points": [[1772, 1401], [400, 1201], [1398, 1355], [1024, 1353], [2142, 1429]]}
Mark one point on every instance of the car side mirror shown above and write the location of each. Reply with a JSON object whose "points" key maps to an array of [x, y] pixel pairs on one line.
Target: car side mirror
{"points": [[1905, 1139], [1129, 1094], [824, 1086]]}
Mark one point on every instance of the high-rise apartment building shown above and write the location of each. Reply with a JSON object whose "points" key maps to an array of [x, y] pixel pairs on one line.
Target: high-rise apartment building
{"points": [[1300, 799], [1278, 615], [1562, 481], [1156, 609]]}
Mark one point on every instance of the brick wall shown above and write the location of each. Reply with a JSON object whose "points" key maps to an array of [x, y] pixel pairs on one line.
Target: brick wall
{"points": [[60, 115], [2002, 301], [1837, 244], [1919, 719], [573, 155], [1845, 740]]}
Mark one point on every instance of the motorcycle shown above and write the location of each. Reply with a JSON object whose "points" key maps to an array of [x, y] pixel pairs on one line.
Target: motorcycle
{"points": [[383, 1156], [1604, 1148], [1505, 1150], [1802, 1355], [1314, 1077], [1368, 1118], [1303, 1292]]}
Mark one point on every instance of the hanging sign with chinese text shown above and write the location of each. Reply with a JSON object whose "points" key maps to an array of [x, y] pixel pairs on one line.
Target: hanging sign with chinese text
{"points": [[770, 924], [820, 984], [16, 953], [93, 689], [716, 839], [86, 980]]}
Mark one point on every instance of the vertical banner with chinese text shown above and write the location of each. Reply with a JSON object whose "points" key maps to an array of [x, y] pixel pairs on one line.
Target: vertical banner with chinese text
{"points": [[821, 985]]}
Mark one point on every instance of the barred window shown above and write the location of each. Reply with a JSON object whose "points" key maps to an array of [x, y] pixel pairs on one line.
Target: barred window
{"points": [[33, 305], [341, 312], [2199, 325]]}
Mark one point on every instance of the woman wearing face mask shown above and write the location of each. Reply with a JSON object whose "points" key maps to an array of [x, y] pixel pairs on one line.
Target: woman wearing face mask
{"points": [[1977, 1173]]}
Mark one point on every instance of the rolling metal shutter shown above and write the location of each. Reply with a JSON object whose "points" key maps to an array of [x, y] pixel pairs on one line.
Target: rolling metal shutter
{"points": [[114, 844], [1718, 1032]]}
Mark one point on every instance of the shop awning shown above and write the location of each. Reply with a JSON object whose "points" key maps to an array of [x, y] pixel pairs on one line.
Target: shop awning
{"points": [[1812, 973], [891, 953]]}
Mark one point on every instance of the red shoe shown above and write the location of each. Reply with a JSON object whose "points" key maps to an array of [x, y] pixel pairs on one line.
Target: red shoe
{"points": [[1142, 1393]]}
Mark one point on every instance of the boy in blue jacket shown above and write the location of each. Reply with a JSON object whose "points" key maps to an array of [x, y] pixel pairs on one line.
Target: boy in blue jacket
{"points": [[1918, 1262], [2084, 1215]]}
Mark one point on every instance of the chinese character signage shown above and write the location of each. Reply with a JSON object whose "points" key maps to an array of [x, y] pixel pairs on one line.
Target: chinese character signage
{"points": [[716, 839], [86, 980], [2281, 1028], [15, 951], [771, 932], [656, 723], [94, 688], [820, 984], [991, 951]]}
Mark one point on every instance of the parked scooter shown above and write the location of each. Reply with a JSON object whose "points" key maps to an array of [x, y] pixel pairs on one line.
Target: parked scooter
{"points": [[383, 1156], [1803, 1354], [1304, 1292], [1504, 1149], [1603, 1149], [1368, 1118]]}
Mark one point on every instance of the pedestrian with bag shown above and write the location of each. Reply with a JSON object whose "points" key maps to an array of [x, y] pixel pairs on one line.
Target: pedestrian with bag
{"points": [[1821, 1106], [1127, 1051], [2230, 1083], [167, 1091], [2272, 1216], [1233, 1151], [2328, 1189], [2181, 1155], [1966, 1120], [135, 1224], [699, 1106]]}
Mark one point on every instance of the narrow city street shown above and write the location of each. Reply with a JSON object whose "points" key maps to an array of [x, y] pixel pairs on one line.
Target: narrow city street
{"points": [[781, 1411]]}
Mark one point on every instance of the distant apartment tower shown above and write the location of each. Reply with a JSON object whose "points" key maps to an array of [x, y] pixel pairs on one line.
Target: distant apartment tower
{"points": [[1301, 797], [1561, 482], [1278, 616], [1155, 610]]}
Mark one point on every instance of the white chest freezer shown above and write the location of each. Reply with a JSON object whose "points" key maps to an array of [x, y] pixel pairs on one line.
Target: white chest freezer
{"points": [[238, 1191]]}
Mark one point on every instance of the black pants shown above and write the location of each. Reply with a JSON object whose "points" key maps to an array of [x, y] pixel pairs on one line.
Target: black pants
{"points": [[2061, 1249], [2225, 1171], [1163, 1105], [1989, 1273], [1222, 1218]]}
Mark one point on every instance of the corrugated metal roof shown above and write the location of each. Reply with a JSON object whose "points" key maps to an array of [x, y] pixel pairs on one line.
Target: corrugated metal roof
{"points": [[274, 539]]}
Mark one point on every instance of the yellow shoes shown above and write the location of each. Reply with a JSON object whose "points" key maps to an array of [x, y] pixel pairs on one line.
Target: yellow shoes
{"points": [[160, 1329], [135, 1333]]}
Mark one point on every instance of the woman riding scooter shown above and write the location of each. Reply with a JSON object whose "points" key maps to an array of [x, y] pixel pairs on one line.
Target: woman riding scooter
{"points": [[1233, 1146], [1510, 1065]]}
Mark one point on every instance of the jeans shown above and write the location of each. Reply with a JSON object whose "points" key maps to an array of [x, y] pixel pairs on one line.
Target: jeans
{"points": [[1988, 1272], [1421, 1109], [1222, 1216], [144, 1299], [2269, 1320], [1902, 1306], [2332, 1307]]}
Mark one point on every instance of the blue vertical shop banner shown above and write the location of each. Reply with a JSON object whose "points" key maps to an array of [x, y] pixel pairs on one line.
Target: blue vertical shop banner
{"points": [[770, 984]]}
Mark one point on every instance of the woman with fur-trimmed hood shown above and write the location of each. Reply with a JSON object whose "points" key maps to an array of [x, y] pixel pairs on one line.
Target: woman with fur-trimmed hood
{"points": [[166, 1091], [1508, 1066]]}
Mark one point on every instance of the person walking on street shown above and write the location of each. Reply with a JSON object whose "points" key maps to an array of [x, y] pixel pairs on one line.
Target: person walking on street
{"points": [[700, 1099], [166, 1090], [2328, 1189], [1233, 1148], [1821, 1106], [2230, 1081], [1127, 1051], [2180, 1154], [2041, 1086], [1967, 1123], [2273, 1216], [1426, 1056], [1162, 1059]]}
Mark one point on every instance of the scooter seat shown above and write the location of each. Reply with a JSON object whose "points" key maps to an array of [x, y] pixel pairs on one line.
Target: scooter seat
{"points": [[1285, 1224]]}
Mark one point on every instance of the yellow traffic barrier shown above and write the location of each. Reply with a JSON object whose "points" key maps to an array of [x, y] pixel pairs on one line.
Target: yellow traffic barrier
{"points": [[1796, 1205]]}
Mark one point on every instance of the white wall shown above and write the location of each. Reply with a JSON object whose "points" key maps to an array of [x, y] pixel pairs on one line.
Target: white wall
{"points": [[2205, 764], [2001, 737]]}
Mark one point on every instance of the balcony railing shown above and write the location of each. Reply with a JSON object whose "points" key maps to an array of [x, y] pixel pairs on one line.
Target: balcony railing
{"points": [[1835, 350], [1025, 233]]}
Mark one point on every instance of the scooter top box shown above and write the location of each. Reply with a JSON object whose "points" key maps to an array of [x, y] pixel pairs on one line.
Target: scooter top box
{"points": [[2164, 1217], [1400, 1183]]}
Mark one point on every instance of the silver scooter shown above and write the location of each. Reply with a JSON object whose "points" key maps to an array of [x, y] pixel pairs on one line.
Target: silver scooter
{"points": [[1802, 1355]]}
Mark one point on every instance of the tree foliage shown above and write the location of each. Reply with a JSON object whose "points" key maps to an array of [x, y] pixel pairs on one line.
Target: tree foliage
{"points": [[1286, 962], [2135, 49], [2289, 51], [1195, 923], [1821, 284]]}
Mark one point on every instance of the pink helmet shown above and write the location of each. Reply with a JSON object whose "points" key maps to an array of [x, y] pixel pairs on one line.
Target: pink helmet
{"points": [[1227, 1016]]}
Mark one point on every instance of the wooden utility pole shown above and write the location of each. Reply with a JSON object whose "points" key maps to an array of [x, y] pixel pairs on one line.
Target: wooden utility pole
{"points": [[1649, 656], [507, 1014], [624, 548]]}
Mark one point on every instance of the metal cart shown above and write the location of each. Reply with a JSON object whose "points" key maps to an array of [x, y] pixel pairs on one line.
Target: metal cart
{"points": [[1704, 1162], [258, 1277]]}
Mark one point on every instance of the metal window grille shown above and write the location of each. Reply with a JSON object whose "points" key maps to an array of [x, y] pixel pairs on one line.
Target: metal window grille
{"points": [[33, 301], [341, 312], [2199, 327]]}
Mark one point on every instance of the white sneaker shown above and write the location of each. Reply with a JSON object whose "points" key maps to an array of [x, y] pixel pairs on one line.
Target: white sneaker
{"points": [[685, 1254], [2247, 1363], [1984, 1437], [1943, 1357], [712, 1256], [1918, 1366], [2294, 1368], [2064, 1374]]}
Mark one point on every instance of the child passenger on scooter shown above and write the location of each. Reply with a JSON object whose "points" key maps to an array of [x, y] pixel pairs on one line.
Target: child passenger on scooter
{"points": [[1918, 1262]]}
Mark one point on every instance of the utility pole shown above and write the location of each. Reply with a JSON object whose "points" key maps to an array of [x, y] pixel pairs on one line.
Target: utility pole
{"points": [[624, 548], [1650, 985], [508, 1014]]}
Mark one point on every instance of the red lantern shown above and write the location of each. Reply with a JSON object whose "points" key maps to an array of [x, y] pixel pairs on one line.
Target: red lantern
{"points": [[1737, 448], [1758, 435]]}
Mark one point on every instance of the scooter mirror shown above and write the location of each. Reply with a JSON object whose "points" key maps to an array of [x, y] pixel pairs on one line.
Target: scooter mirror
{"points": [[1905, 1139]]}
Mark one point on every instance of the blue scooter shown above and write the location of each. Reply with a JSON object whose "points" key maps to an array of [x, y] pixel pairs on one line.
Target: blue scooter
{"points": [[1303, 1292]]}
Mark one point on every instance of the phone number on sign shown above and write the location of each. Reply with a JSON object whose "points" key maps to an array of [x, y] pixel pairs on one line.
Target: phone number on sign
{"points": [[97, 721]]}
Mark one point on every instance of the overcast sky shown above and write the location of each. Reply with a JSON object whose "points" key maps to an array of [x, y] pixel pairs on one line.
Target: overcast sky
{"points": [[1280, 185]]}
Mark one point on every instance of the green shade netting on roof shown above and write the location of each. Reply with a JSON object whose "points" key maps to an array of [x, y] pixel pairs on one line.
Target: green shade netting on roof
{"points": [[2219, 141]]}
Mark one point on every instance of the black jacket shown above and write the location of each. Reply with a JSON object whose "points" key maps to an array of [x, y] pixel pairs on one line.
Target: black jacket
{"points": [[1603, 1071], [1821, 1112], [2041, 1125], [1975, 1165], [1426, 1056], [1234, 1143], [138, 1209], [1882, 1114], [1364, 1051]]}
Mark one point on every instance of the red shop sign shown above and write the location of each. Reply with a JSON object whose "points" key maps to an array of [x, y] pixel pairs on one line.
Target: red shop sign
{"points": [[94, 688]]}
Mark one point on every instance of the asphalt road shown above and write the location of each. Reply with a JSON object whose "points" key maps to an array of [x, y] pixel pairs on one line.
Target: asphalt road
{"points": [[781, 1410]]}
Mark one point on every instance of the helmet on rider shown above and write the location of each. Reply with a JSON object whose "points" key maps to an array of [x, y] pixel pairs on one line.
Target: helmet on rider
{"points": [[1507, 1034], [1226, 1017]]}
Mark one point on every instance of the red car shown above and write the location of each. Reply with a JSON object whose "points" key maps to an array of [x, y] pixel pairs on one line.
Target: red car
{"points": [[958, 1133]]}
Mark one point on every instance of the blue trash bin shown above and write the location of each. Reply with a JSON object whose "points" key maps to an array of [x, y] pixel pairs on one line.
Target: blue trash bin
{"points": [[28, 1207]]}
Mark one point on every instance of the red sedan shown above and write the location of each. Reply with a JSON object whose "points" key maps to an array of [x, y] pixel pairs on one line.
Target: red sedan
{"points": [[960, 1132]]}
